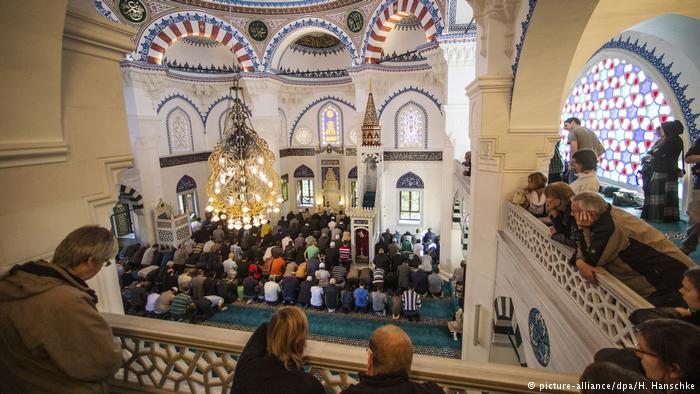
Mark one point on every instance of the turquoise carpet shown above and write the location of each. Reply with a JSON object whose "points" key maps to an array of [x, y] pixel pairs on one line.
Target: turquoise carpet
{"points": [[429, 336]]}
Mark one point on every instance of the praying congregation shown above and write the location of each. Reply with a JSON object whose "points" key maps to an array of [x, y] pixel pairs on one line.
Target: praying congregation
{"points": [[350, 196]]}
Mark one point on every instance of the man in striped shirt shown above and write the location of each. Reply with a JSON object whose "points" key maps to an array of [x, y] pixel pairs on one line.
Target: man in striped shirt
{"points": [[338, 273], [411, 304], [181, 306], [344, 253]]}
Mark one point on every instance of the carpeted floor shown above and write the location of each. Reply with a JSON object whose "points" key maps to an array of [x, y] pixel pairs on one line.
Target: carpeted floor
{"points": [[430, 335]]}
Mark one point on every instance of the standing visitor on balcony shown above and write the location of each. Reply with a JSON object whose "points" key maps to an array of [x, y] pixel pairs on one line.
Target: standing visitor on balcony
{"points": [[662, 204], [581, 138], [272, 360], [558, 200], [388, 365], [556, 165], [631, 250], [585, 162], [692, 233], [51, 334]]}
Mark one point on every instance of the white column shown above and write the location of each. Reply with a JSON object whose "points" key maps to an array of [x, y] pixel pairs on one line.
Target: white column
{"points": [[146, 132]]}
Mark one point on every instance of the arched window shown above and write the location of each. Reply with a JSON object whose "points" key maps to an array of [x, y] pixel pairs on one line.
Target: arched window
{"points": [[305, 186], [410, 126], [410, 187], [330, 125], [179, 130], [622, 105], [187, 195], [352, 177]]}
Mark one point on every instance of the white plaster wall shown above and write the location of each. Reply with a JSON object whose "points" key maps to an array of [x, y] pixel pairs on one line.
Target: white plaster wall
{"points": [[402, 41], [308, 62], [431, 172], [195, 55]]}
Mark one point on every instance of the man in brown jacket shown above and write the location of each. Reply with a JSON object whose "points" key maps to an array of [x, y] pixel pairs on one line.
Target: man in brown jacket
{"points": [[52, 337]]}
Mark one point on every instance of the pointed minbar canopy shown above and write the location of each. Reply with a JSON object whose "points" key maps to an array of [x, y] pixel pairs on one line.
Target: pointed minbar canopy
{"points": [[371, 132]]}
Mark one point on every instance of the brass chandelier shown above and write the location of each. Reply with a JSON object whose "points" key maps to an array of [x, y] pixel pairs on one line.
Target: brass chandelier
{"points": [[243, 188]]}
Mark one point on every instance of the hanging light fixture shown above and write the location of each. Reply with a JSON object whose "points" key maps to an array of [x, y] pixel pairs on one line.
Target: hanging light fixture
{"points": [[243, 189]]}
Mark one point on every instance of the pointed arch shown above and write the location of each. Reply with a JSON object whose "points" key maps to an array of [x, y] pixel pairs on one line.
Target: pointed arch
{"points": [[411, 126], [129, 195], [163, 32], [410, 180], [390, 12], [319, 24]]}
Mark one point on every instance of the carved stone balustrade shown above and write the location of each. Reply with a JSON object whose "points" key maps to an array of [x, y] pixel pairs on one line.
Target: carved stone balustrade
{"points": [[163, 356]]}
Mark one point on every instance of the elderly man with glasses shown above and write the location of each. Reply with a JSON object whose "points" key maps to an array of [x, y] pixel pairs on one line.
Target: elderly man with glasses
{"points": [[51, 333]]}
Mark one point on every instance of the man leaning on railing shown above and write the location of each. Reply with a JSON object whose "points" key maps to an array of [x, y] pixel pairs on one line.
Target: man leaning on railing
{"points": [[631, 250]]}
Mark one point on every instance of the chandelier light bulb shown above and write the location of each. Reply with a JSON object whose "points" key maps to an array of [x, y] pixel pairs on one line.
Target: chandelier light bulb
{"points": [[209, 208], [222, 216], [230, 226], [279, 200], [261, 160], [263, 221], [247, 227], [214, 218], [275, 210], [245, 209]]}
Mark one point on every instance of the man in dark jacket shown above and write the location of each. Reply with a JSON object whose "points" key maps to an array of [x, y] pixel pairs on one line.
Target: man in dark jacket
{"points": [[304, 297], [637, 254], [290, 288], [331, 296], [388, 365]]}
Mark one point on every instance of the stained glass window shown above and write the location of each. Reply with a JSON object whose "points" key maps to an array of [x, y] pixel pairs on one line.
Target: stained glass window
{"points": [[303, 136], [330, 125], [179, 132], [622, 105], [411, 127]]}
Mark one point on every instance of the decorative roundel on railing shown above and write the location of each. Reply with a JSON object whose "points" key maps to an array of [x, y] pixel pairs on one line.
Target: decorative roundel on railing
{"points": [[355, 21], [539, 337], [133, 11], [258, 30]]}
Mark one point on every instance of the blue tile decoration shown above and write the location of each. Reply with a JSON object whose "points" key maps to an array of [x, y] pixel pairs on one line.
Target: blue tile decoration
{"points": [[333, 99], [308, 22], [185, 183], [406, 90], [409, 180], [163, 22], [303, 172], [413, 155], [352, 174], [105, 11], [664, 68], [272, 4], [519, 46], [452, 24]]}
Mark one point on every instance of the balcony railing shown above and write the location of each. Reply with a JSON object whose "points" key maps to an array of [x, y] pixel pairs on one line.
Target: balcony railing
{"points": [[608, 304], [163, 356]]}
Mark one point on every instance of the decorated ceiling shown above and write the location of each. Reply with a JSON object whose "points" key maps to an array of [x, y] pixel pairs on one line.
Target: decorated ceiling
{"points": [[258, 32]]}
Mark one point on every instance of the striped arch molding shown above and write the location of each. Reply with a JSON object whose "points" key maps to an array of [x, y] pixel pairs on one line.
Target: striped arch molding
{"points": [[166, 31], [130, 196], [385, 20]]}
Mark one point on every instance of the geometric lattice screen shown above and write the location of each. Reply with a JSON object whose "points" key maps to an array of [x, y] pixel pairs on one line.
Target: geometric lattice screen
{"points": [[623, 106]]}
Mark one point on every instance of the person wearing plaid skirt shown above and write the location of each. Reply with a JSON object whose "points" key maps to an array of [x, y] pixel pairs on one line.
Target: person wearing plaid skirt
{"points": [[661, 205]]}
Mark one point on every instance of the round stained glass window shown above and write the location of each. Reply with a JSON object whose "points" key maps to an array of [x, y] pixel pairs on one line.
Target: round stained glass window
{"points": [[303, 136], [353, 136], [623, 106]]}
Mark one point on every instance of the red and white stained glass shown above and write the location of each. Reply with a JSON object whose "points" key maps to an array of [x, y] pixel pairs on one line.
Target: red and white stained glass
{"points": [[623, 106]]}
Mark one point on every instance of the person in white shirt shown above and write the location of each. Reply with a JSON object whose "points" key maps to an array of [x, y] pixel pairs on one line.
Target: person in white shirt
{"points": [[317, 296], [268, 253], [418, 247], [208, 245], [285, 241], [151, 303], [147, 258], [272, 291], [196, 225], [585, 162], [230, 266]]}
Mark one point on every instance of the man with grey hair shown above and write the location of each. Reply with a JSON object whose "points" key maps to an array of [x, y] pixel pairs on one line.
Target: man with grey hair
{"points": [[389, 364], [51, 333], [630, 249]]}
